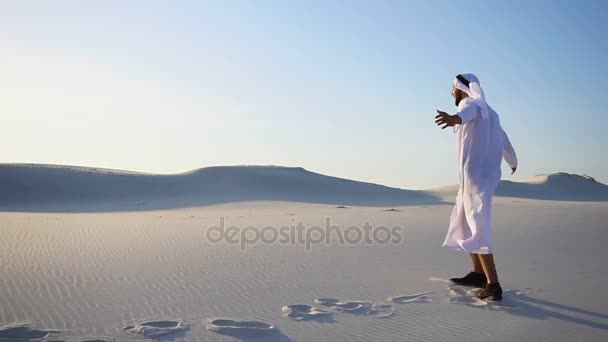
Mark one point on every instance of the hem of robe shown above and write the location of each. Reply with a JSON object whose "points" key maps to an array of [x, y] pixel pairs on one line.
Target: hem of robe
{"points": [[460, 247]]}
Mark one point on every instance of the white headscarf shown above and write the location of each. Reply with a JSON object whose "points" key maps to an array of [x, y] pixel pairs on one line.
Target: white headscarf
{"points": [[474, 91]]}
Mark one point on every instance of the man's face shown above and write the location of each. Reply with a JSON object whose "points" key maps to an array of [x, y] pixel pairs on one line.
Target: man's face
{"points": [[458, 95]]}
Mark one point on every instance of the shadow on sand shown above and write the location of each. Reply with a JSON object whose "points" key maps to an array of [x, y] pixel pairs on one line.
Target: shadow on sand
{"points": [[520, 304]]}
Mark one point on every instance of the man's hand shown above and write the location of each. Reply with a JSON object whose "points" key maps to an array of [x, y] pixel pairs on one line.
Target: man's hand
{"points": [[446, 119], [513, 169]]}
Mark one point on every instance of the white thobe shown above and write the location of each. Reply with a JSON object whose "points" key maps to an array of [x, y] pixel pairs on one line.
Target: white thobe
{"points": [[482, 143]]}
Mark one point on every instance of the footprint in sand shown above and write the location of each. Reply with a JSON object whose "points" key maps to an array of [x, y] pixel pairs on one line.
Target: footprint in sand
{"points": [[301, 312], [240, 328], [353, 307], [21, 332], [461, 295], [152, 329], [378, 310], [468, 296], [412, 298]]}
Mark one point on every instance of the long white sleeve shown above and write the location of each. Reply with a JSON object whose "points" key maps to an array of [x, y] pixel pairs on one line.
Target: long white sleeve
{"points": [[508, 153]]}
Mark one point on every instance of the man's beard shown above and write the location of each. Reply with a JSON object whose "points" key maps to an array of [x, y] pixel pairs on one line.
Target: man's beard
{"points": [[457, 100]]}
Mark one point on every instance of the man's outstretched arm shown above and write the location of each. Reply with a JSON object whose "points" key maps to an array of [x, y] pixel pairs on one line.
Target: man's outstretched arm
{"points": [[467, 113], [447, 120]]}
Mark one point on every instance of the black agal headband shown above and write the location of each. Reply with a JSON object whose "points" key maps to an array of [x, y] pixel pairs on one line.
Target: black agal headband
{"points": [[463, 80]]}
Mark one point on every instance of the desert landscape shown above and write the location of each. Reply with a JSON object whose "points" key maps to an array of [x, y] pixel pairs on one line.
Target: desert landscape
{"points": [[91, 254], [303, 171]]}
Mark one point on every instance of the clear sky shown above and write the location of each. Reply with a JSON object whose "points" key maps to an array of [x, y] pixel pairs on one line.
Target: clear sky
{"points": [[345, 88]]}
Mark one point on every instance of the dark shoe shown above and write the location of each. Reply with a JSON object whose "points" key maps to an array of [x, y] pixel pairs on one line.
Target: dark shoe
{"points": [[491, 291], [471, 279]]}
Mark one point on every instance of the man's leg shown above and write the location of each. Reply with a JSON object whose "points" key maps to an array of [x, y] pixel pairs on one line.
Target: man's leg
{"points": [[492, 290], [487, 262], [476, 277], [477, 267]]}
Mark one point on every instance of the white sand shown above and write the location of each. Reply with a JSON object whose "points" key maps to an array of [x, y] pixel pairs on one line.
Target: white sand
{"points": [[126, 275]]}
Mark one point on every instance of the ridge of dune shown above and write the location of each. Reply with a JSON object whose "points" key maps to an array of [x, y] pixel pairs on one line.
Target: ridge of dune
{"points": [[560, 177], [61, 187], [48, 187], [75, 168], [559, 186]]}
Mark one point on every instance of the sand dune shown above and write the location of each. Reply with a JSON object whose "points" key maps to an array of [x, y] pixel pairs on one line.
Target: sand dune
{"points": [[71, 275], [559, 186], [58, 188]]}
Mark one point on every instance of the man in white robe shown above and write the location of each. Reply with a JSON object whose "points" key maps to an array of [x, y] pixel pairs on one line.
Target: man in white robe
{"points": [[482, 143]]}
